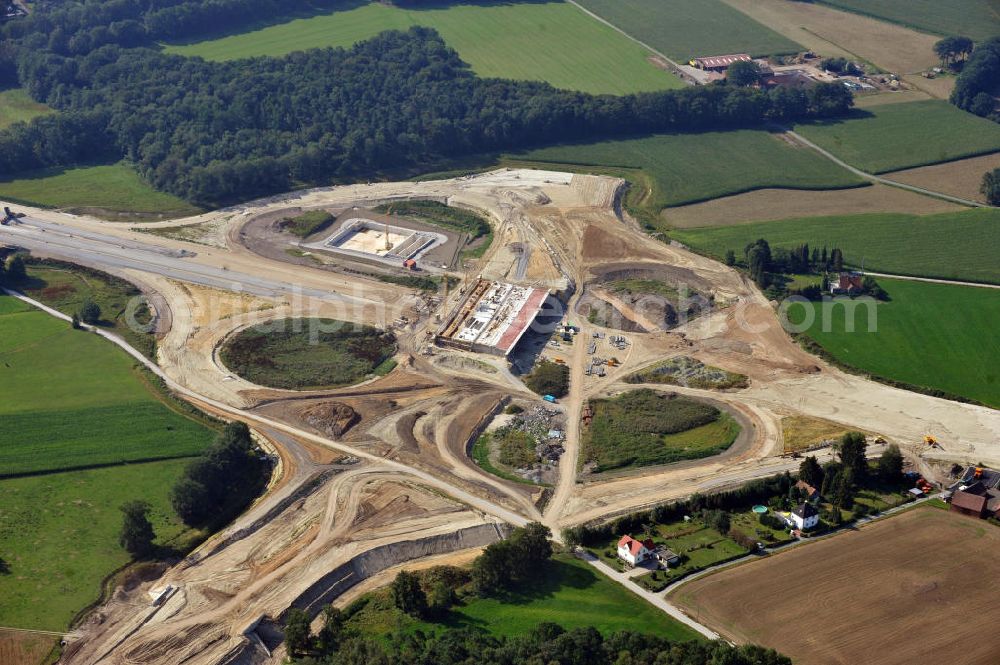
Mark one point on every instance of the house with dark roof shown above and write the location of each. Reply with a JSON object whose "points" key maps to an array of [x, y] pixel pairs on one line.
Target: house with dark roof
{"points": [[804, 516], [968, 503], [977, 493]]}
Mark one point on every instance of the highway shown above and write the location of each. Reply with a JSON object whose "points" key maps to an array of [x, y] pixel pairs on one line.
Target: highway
{"points": [[111, 252]]}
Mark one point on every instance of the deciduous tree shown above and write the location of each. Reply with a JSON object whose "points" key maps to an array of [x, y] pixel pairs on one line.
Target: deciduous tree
{"points": [[137, 533], [407, 595]]}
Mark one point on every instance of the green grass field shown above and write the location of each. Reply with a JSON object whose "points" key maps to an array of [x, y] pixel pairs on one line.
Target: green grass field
{"points": [[931, 335], [979, 19], [891, 137], [72, 399], [954, 245], [684, 29], [686, 168], [570, 593], [543, 41], [110, 187], [17, 106], [59, 535]]}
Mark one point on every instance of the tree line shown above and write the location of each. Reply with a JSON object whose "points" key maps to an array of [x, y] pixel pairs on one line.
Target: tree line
{"points": [[979, 82], [547, 644], [218, 132], [840, 480], [213, 490], [767, 267], [502, 567]]}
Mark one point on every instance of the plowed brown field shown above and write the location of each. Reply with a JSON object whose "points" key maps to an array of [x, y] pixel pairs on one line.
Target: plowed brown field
{"points": [[912, 588]]}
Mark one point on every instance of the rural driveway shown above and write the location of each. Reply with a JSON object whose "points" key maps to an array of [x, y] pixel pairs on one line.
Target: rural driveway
{"points": [[931, 280], [655, 599]]}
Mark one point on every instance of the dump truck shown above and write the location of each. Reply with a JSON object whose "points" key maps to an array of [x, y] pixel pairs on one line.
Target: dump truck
{"points": [[549, 398]]}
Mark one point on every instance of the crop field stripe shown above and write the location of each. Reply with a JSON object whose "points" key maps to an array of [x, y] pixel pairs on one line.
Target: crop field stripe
{"points": [[959, 245], [688, 168], [979, 19], [684, 29], [73, 400], [892, 137], [546, 41]]}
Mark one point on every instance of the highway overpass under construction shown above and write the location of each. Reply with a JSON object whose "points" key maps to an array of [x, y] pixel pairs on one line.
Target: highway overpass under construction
{"points": [[492, 318]]}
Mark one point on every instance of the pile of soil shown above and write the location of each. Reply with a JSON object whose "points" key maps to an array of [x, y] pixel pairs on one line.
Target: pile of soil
{"points": [[333, 418]]}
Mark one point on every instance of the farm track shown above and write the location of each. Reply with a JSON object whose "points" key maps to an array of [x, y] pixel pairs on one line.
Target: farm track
{"points": [[879, 179]]}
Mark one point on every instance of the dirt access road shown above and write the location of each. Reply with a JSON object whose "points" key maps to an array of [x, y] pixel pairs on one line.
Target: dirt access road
{"points": [[315, 535]]}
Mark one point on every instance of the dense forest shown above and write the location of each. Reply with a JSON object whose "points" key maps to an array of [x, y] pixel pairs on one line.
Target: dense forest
{"points": [[218, 132], [980, 81], [546, 645]]}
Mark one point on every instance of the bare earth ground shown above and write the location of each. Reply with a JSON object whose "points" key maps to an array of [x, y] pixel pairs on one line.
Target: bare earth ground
{"points": [[910, 588], [24, 648], [831, 32], [771, 204], [381, 494], [961, 178]]}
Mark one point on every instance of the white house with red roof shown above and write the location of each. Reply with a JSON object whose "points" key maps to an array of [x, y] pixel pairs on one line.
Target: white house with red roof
{"points": [[634, 551]]}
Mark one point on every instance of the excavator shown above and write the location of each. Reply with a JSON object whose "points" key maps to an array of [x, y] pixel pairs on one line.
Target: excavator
{"points": [[931, 441]]}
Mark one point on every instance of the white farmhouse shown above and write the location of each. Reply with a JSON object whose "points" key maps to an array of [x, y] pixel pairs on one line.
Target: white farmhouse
{"points": [[634, 551], [805, 516]]}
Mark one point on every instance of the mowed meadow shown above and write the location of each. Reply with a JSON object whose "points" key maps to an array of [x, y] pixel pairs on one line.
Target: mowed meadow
{"points": [[685, 29], [543, 41], [72, 399], [110, 188], [939, 337], [959, 245]]}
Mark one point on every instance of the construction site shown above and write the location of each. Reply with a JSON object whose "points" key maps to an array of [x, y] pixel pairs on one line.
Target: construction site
{"points": [[492, 318], [378, 476], [367, 238]]}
